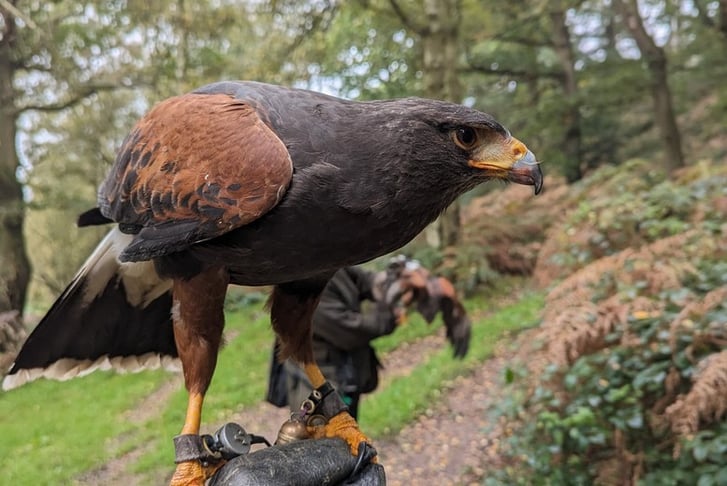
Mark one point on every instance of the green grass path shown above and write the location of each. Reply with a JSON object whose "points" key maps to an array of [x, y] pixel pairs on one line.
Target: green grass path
{"points": [[53, 432]]}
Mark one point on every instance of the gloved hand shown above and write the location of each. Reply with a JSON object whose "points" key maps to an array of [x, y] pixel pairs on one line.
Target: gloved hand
{"points": [[324, 462]]}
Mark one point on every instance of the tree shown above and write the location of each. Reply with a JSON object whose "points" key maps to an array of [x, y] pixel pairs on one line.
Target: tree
{"points": [[556, 72], [530, 44], [438, 29], [572, 142], [389, 48], [75, 76], [53, 56], [656, 62], [50, 60], [14, 264]]}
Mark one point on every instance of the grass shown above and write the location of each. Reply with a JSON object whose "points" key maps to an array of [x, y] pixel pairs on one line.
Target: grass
{"points": [[53, 432]]}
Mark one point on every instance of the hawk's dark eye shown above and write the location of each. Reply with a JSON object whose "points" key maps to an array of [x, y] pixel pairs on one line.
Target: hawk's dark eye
{"points": [[465, 137]]}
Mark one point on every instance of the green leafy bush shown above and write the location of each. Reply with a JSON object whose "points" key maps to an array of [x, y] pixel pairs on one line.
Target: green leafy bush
{"points": [[632, 207], [625, 381], [606, 418]]}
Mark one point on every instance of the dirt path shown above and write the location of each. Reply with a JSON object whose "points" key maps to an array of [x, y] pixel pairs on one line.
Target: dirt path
{"points": [[451, 443], [265, 419], [447, 445]]}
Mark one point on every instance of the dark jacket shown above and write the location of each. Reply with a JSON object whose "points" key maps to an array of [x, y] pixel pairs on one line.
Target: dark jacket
{"points": [[343, 327], [339, 320]]}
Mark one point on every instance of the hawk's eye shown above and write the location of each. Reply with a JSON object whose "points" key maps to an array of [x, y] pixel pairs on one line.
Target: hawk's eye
{"points": [[465, 137]]}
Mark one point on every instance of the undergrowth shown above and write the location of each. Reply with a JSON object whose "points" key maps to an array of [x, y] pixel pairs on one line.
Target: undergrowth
{"points": [[625, 381]]}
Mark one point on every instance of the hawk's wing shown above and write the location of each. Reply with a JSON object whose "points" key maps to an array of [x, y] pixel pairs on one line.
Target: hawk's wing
{"points": [[195, 167], [456, 321], [431, 295]]}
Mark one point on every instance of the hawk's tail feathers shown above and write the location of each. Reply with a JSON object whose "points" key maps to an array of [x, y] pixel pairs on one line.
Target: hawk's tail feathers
{"points": [[66, 368], [111, 316]]}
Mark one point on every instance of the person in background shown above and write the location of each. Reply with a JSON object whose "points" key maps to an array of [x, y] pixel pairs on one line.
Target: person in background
{"points": [[356, 307]]}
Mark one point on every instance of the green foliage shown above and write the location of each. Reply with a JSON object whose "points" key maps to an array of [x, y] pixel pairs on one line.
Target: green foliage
{"points": [[367, 54], [93, 69], [701, 461], [631, 205], [609, 404], [624, 384], [131, 54]]}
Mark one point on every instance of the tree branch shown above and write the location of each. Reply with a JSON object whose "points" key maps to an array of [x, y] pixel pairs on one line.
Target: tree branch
{"points": [[18, 14], [83, 93], [406, 19], [319, 21], [18, 65], [523, 41], [516, 73], [634, 23], [702, 14]]}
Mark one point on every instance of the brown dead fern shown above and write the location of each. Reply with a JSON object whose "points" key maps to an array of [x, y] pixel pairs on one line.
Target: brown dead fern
{"points": [[706, 402], [590, 304], [693, 310]]}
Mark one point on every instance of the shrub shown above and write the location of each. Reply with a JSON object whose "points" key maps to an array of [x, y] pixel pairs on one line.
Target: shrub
{"points": [[645, 399], [623, 213], [625, 381]]}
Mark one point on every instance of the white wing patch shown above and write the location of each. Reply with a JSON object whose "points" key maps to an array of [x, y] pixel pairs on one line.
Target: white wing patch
{"points": [[142, 286], [141, 282]]}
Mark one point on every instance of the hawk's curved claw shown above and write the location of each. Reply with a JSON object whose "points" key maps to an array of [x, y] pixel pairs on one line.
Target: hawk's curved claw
{"points": [[366, 454], [345, 427]]}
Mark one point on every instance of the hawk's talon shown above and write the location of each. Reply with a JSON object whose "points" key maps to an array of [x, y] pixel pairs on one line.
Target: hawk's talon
{"points": [[366, 454], [344, 427]]}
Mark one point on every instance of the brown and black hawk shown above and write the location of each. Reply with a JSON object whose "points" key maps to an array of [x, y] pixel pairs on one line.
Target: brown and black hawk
{"points": [[254, 184]]}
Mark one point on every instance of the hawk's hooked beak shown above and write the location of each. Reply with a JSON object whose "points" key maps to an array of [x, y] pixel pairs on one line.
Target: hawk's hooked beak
{"points": [[510, 160]]}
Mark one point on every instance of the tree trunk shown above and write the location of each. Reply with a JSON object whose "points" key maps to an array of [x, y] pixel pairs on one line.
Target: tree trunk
{"points": [[14, 264], [440, 47], [664, 113], [657, 64], [572, 145]]}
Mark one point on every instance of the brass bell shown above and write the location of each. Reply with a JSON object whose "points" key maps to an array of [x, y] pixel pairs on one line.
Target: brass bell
{"points": [[292, 430]]}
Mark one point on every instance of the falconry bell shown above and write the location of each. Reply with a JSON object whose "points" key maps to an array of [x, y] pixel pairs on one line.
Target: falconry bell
{"points": [[292, 430]]}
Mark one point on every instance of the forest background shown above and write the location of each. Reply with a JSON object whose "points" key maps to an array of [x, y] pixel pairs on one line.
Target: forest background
{"points": [[624, 97]]}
